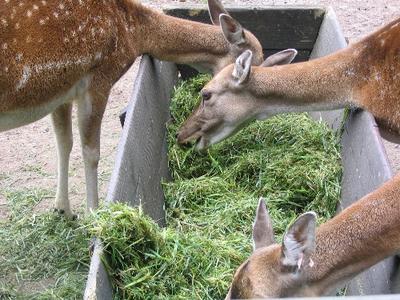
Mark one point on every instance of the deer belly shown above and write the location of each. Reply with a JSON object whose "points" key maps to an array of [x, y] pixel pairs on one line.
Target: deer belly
{"points": [[24, 116]]}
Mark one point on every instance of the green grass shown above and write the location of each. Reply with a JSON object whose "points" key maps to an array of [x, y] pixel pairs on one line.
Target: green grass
{"points": [[42, 255], [147, 262], [290, 160]]}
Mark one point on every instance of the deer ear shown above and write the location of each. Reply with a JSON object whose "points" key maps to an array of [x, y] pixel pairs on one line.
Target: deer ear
{"points": [[280, 58], [263, 233], [233, 31], [242, 68], [299, 241], [215, 9]]}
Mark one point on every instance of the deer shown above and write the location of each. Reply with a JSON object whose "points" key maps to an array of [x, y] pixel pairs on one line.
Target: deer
{"points": [[364, 75], [313, 261], [56, 53]]}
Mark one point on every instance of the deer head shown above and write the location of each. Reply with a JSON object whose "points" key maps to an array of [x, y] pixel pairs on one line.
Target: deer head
{"points": [[273, 270], [238, 38], [228, 104]]}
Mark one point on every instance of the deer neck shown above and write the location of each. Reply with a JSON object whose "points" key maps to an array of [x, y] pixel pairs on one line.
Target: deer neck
{"points": [[359, 237], [182, 41], [322, 84]]}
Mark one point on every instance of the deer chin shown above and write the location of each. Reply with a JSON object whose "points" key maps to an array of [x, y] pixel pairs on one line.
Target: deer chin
{"points": [[201, 144], [205, 140]]}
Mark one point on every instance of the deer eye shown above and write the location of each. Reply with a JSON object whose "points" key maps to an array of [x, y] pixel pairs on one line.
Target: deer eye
{"points": [[206, 95]]}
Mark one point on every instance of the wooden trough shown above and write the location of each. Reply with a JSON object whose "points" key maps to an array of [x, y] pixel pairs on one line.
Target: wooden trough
{"points": [[141, 161]]}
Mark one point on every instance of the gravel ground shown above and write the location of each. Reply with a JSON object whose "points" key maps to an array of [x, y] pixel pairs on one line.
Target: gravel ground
{"points": [[28, 154]]}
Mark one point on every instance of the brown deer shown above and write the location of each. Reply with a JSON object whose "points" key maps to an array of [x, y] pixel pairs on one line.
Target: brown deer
{"points": [[54, 53], [365, 74], [312, 262]]}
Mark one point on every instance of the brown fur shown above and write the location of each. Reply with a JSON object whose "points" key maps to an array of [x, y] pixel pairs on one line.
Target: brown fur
{"points": [[55, 52], [119, 31], [360, 236]]}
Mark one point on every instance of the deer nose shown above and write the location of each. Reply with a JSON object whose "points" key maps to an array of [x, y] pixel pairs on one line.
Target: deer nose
{"points": [[181, 142], [185, 145]]}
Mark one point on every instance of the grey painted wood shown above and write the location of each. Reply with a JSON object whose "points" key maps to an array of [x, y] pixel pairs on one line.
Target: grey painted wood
{"points": [[98, 285], [140, 163], [364, 159], [276, 27]]}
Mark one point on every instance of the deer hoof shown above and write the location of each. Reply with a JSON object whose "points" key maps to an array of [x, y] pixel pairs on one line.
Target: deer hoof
{"points": [[69, 215]]}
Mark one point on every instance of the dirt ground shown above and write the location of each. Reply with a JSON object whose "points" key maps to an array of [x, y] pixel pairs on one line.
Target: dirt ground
{"points": [[28, 154]]}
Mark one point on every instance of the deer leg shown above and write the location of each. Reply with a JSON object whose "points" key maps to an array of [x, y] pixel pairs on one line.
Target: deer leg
{"points": [[90, 113], [62, 125]]}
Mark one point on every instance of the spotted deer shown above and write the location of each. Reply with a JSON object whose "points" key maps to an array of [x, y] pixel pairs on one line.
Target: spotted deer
{"points": [[312, 262], [54, 53], [366, 74]]}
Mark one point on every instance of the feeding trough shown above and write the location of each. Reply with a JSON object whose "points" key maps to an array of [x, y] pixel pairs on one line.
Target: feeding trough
{"points": [[141, 162]]}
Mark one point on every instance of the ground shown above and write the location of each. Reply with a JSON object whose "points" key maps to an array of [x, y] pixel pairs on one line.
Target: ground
{"points": [[28, 154]]}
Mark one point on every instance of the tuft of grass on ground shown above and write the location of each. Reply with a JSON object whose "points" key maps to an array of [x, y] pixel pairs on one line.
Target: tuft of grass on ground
{"points": [[290, 160], [44, 255]]}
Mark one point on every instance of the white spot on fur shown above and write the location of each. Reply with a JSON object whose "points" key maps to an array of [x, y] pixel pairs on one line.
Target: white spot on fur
{"points": [[350, 72], [26, 73], [311, 263], [4, 46], [39, 68], [29, 13]]}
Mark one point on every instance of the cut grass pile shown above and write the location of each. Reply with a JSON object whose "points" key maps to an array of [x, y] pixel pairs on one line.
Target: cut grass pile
{"points": [[147, 262], [290, 160], [42, 256]]}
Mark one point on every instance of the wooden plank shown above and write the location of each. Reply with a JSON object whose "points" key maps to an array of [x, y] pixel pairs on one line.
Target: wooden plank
{"points": [[276, 28], [140, 163], [98, 285]]}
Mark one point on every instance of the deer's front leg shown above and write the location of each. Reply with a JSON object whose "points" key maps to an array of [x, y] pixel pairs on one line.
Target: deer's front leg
{"points": [[90, 113], [61, 118]]}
